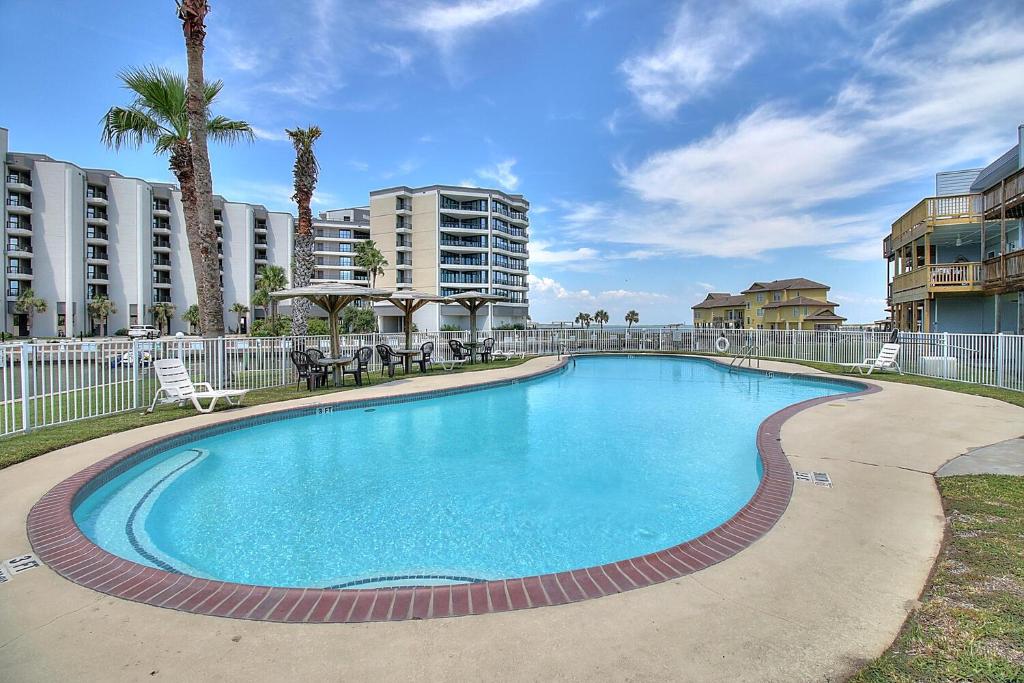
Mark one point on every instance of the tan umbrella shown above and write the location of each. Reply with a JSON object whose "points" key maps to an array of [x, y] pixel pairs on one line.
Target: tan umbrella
{"points": [[473, 301], [332, 297], [408, 301]]}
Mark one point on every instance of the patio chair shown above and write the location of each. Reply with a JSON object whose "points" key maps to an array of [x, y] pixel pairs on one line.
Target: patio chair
{"points": [[507, 354], [426, 349], [487, 352], [885, 362], [389, 360], [307, 369], [177, 387], [360, 366], [460, 355]]}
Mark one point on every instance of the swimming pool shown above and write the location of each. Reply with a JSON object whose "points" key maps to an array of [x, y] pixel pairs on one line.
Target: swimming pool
{"points": [[610, 459]]}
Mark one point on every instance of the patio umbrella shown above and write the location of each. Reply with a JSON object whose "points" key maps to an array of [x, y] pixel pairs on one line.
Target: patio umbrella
{"points": [[332, 297], [473, 301], [409, 301]]}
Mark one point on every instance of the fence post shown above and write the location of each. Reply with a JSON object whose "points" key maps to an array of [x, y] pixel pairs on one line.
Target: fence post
{"points": [[945, 355], [135, 373], [24, 388], [1000, 350]]}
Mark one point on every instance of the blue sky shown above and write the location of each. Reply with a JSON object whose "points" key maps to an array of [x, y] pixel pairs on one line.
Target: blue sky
{"points": [[667, 148]]}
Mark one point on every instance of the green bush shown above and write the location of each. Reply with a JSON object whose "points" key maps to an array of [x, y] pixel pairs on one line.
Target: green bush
{"points": [[318, 327], [451, 328], [121, 332], [271, 327]]}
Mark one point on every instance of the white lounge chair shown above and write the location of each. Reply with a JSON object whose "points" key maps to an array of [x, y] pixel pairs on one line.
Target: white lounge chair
{"points": [[886, 361], [507, 354], [177, 387]]}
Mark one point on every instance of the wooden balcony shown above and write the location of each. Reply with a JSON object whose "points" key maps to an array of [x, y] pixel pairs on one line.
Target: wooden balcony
{"points": [[1005, 271], [961, 208], [1010, 192], [938, 278]]}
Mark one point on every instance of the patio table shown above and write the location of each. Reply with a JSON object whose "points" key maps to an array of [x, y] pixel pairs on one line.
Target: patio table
{"points": [[472, 346], [336, 364], [407, 356]]}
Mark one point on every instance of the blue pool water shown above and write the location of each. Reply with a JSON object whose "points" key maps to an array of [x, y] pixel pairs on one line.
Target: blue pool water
{"points": [[611, 459]]}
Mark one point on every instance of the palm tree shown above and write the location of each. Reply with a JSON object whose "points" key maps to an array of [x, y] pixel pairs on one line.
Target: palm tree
{"points": [[368, 256], [631, 318], [239, 310], [163, 313], [28, 304], [158, 115], [272, 279], [583, 319], [601, 317], [193, 15], [193, 318], [304, 176], [101, 308]]}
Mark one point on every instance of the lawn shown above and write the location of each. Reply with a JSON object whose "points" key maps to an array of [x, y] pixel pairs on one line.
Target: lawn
{"points": [[23, 447], [970, 624]]}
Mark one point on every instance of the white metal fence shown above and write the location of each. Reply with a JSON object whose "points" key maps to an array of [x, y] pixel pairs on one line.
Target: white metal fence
{"points": [[54, 382]]}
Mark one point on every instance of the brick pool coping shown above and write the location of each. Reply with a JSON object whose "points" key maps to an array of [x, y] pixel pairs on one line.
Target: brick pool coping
{"points": [[60, 544]]}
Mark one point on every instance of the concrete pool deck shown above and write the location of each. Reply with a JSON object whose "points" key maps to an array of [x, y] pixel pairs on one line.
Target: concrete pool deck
{"points": [[827, 588]]}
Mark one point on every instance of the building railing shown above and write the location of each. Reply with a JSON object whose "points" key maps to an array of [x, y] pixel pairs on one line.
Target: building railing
{"points": [[956, 274], [51, 382]]}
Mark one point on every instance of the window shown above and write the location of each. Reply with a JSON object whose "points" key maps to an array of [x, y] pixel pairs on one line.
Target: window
{"points": [[796, 311], [748, 320], [760, 297], [776, 296], [760, 312]]}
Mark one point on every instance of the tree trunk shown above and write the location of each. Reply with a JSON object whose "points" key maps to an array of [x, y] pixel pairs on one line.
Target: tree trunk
{"points": [[181, 166], [211, 298], [303, 262]]}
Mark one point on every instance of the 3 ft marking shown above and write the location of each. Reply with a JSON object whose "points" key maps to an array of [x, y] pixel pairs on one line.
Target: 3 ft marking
{"points": [[17, 565]]}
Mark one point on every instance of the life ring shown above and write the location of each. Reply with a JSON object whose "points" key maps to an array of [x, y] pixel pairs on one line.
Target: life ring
{"points": [[722, 344]]}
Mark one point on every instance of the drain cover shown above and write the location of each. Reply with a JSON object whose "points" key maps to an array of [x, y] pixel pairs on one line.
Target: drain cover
{"points": [[816, 478]]}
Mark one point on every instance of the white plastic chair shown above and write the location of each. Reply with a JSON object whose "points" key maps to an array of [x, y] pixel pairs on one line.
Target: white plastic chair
{"points": [[885, 362], [177, 387]]}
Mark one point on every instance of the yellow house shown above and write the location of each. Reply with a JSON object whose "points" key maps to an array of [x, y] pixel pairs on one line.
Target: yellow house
{"points": [[719, 309], [791, 304]]}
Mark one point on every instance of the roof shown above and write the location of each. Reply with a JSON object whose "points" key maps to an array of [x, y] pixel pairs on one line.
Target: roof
{"points": [[1004, 166], [721, 300], [825, 314], [790, 283], [799, 301]]}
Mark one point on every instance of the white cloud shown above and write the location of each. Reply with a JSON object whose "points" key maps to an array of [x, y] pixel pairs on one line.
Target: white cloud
{"points": [[501, 173], [781, 177], [592, 14], [404, 168], [707, 286], [398, 58], [545, 286], [275, 196], [445, 20], [272, 135], [541, 252]]}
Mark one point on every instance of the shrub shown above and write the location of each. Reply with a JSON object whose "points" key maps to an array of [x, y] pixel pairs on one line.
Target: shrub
{"points": [[121, 332], [318, 327]]}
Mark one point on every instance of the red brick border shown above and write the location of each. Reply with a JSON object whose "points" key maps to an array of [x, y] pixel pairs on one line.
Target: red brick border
{"points": [[59, 543]]}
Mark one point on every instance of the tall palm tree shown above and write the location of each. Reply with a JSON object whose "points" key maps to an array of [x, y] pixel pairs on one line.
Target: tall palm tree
{"points": [[304, 175], [101, 308], [193, 17], [28, 304], [272, 279], [158, 115], [163, 312], [631, 318], [240, 310], [583, 319], [368, 256], [601, 317]]}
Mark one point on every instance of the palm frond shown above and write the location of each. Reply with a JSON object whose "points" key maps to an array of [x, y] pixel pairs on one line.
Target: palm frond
{"points": [[211, 90], [223, 129], [129, 127]]}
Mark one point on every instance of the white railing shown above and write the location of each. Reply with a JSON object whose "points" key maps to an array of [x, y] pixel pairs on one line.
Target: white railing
{"points": [[55, 382]]}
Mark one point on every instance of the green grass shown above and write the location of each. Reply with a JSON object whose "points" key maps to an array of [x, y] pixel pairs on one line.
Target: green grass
{"points": [[970, 624], [23, 447]]}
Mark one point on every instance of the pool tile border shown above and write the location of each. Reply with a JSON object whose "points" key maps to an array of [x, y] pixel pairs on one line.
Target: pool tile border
{"points": [[60, 544]]}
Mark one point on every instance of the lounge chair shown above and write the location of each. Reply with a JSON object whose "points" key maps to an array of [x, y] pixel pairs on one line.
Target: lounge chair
{"points": [[507, 354], [425, 359], [307, 369], [177, 387], [359, 366], [460, 355], [389, 360], [885, 362]]}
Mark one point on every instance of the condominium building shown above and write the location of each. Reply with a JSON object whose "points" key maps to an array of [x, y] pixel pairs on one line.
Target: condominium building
{"points": [[336, 233], [955, 261], [791, 304], [75, 234], [445, 240]]}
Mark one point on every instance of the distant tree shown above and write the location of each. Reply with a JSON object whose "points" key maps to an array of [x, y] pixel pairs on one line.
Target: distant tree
{"points": [[583, 319], [28, 304], [272, 279], [240, 310], [368, 256], [357, 320], [101, 308], [601, 317], [193, 318], [163, 313], [632, 317], [304, 177]]}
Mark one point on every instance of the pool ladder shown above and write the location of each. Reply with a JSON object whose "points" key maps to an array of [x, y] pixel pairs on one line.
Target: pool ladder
{"points": [[749, 354], [564, 350]]}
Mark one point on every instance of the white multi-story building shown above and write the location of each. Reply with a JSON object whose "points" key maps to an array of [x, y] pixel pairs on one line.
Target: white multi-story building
{"points": [[74, 234], [445, 240]]}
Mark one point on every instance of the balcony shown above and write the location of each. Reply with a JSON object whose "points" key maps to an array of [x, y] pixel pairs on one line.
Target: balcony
{"points": [[938, 278], [161, 227], [22, 271], [452, 243], [18, 225], [98, 217], [96, 196], [260, 228], [94, 235], [161, 264], [101, 257], [928, 213], [19, 180], [1005, 271], [19, 204], [1010, 192], [161, 245], [19, 249]]}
